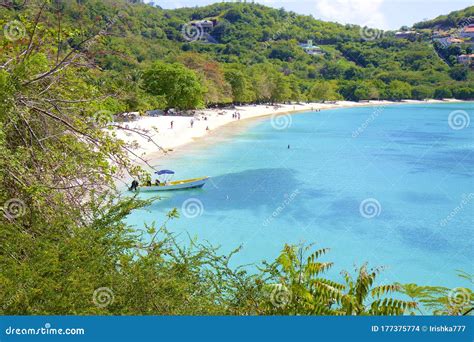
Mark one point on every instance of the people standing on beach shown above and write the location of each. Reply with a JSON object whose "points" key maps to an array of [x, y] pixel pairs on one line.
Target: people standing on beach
{"points": [[171, 124], [192, 123], [134, 186]]}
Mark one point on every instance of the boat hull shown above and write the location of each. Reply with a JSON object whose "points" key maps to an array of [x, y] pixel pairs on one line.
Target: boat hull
{"points": [[177, 185]]}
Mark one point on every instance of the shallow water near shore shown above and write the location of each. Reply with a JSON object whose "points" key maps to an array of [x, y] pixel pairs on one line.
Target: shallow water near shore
{"points": [[391, 186]]}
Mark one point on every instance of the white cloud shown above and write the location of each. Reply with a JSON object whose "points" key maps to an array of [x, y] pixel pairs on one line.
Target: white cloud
{"points": [[361, 12]]}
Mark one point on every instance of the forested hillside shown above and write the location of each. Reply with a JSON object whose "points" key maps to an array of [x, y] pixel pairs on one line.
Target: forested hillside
{"points": [[250, 54], [451, 20]]}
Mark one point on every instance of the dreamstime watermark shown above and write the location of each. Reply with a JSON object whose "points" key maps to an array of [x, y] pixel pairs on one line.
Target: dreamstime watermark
{"points": [[46, 330], [103, 297], [192, 208], [466, 199], [459, 119], [22, 288], [103, 32], [192, 31], [14, 30], [281, 121], [280, 296], [370, 208], [368, 33], [459, 297], [444, 42], [375, 114], [13, 208], [286, 202], [279, 32], [102, 117]]}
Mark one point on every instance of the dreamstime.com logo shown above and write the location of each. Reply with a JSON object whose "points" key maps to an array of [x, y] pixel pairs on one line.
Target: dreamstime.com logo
{"points": [[192, 208], [102, 117], [281, 121], [370, 208], [192, 32], [280, 296], [367, 33], [286, 202], [46, 330], [459, 297], [375, 114], [14, 30], [103, 297], [13, 208], [20, 291], [466, 199], [459, 119], [284, 26]]}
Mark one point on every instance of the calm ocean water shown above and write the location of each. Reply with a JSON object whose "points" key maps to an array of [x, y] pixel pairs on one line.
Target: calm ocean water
{"points": [[391, 186]]}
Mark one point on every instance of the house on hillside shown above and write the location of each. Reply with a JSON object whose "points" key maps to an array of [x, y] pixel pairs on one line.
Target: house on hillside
{"points": [[448, 41], [406, 34], [311, 49], [453, 40], [439, 34], [203, 29], [468, 31], [206, 25], [466, 59]]}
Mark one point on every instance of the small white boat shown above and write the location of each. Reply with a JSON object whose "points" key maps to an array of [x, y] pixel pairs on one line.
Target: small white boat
{"points": [[176, 185], [163, 183]]}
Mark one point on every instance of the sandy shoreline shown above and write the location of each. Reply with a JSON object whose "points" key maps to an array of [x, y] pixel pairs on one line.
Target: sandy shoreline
{"points": [[208, 122]]}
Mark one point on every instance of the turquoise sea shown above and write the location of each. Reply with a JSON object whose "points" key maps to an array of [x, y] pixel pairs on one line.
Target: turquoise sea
{"points": [[392, 186]]}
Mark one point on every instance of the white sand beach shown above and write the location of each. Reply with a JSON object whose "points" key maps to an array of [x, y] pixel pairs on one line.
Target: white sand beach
{"points": [[209, 120]]}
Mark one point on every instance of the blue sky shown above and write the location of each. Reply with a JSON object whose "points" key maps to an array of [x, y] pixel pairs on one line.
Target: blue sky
{"points": [[383, 14]]}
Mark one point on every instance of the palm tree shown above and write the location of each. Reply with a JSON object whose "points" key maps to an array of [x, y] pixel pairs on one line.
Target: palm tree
{"points": [[298, 288], [361, 297], [442, 300]]}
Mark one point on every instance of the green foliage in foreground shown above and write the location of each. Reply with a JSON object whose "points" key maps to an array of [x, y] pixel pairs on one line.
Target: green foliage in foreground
{"points": [[108, 268]]}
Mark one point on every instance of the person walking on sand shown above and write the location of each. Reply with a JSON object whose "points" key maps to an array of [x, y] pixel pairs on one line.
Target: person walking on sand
{"points": [[171, 124], [192, 123]]}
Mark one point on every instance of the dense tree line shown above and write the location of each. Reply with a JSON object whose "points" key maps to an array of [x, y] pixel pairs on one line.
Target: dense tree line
{"points": [[454, 19], [251, 55]]}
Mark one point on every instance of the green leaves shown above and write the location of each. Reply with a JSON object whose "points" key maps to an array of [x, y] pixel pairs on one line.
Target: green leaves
{"points": [[179, 85], [442, 300]]}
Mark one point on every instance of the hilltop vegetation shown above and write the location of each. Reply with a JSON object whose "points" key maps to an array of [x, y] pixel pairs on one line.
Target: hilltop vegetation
{"points": [[250, 55], [454, 19]]}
